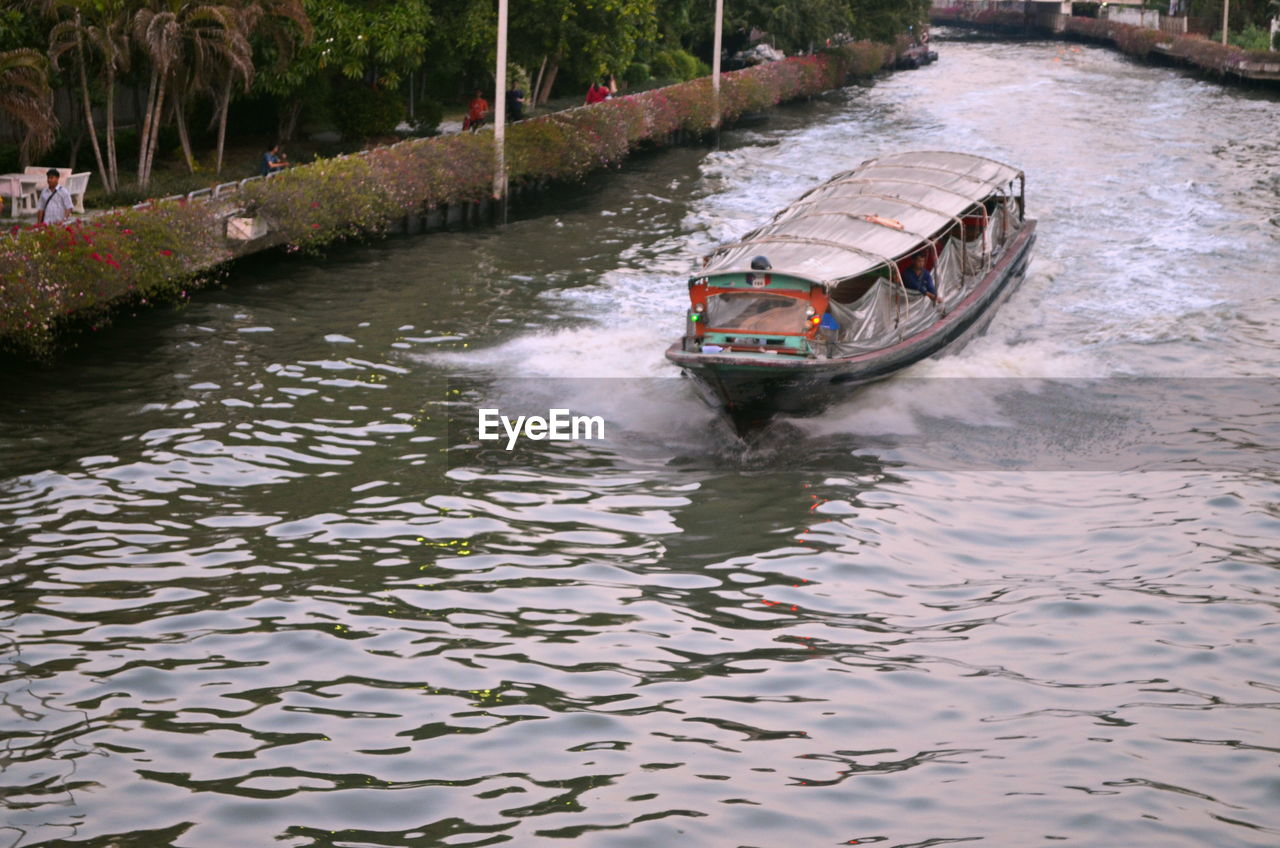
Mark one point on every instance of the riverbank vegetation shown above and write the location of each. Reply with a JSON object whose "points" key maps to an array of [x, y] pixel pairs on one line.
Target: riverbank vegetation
{"points": [[58, 276], [1195, 49], [150, 90]]}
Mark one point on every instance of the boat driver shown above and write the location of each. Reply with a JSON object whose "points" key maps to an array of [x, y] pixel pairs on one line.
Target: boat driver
{"points": [[918, 279]]}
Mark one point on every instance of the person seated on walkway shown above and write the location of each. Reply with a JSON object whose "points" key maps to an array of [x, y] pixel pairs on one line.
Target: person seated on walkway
{"points": [[598, 93], [272, 161], [476, 111], [918, 279], [515, 104], [55, 201]]}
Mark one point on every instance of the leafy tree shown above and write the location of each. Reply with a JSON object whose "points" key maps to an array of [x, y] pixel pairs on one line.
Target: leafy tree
{"points": [[1244, 13], [377, 41], [590, 38], [793, 25], [687, 23], [885, 20], [284, 24]]}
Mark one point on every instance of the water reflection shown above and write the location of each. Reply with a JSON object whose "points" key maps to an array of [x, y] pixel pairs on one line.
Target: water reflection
{"points": [[261, 586]]}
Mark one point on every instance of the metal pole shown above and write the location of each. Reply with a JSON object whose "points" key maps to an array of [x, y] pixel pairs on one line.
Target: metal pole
{"points": [[1226, 7], [715, 63], [500, 113]]}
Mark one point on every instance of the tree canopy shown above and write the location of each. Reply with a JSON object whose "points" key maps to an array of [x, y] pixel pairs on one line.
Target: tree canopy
{"points": [[351, 63]]}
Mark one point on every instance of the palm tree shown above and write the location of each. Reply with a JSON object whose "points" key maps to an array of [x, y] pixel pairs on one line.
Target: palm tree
{"points": [[26, 99], [212, 41], [182, 41], [69, 35], [282, 22], [157, 33], [99, 29]]}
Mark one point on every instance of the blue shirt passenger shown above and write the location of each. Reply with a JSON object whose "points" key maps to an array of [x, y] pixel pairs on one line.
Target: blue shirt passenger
{"points": [[918, 279]]}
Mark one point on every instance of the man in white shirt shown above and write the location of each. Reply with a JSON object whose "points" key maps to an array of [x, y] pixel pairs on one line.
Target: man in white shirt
{"points": [[55, 201]]}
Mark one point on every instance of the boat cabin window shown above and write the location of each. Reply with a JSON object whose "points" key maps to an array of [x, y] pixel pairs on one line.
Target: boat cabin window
{"points": [[850, 291], [756, 312]]}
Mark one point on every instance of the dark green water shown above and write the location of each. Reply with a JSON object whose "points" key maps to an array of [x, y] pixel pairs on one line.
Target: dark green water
{"points": [[259, 586]]}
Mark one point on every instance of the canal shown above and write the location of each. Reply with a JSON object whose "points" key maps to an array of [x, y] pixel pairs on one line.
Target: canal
{"points": [[260, 584]]}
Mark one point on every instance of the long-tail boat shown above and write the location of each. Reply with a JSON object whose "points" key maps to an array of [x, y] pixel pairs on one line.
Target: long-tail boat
{"points": [[820, 298]]}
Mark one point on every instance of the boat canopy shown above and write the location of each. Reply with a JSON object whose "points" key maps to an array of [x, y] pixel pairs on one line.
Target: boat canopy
{"points": [[869, 217]]}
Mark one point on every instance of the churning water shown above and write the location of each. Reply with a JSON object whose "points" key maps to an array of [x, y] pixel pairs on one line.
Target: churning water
{"points": [[260, 587]]}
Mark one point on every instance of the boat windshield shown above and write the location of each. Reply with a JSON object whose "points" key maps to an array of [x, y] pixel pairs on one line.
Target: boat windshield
{"points": [[756, 312]]}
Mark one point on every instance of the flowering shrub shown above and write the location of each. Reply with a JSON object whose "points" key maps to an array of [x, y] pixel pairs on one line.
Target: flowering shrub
{"points": [[326, 200], [51, 273], [85, 268], [1098, 28], [1135, 40], [1206, 54]]}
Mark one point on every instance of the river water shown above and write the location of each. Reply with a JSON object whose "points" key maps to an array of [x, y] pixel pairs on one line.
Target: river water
{"points": [[262, 585]]}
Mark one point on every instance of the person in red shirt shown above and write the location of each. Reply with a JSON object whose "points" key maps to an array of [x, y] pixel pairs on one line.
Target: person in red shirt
{"points": [[476, 111], [598, 93]]}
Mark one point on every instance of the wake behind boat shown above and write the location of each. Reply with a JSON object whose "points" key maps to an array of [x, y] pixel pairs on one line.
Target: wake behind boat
{"points": [[819, 299]]}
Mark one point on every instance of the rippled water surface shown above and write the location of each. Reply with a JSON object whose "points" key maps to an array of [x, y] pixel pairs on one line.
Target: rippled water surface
{"points": [[257, 592]]}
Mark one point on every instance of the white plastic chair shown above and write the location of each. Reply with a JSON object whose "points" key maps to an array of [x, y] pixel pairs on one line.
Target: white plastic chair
{"points": [[77, 184]]}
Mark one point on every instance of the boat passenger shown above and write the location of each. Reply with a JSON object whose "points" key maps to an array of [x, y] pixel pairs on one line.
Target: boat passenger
{"points": [[918, 279], [760, 263]]}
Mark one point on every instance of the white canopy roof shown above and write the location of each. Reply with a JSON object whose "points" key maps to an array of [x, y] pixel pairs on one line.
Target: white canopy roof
{"points": [[877, 213]]}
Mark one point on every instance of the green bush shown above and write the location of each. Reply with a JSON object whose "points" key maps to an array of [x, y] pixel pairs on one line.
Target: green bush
{"points": [[517, 77], [427, 115], [360, 111], [637, 73], [663, 66], [677, 64], [1250, 38]]}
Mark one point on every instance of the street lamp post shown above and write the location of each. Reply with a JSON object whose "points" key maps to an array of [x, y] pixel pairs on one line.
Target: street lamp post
{"points": [[1226, 7], [715, 63], [500, 113]]}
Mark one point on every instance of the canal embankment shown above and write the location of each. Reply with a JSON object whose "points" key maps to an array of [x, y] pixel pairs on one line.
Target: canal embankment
{"points": [[61, 279], [1163, 44]]}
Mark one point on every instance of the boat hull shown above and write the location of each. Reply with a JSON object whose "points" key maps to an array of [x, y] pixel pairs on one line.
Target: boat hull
{"points": [[751, 388]]}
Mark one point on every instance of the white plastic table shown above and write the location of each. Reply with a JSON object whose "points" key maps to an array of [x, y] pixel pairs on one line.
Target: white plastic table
{"points": [[21, 193]]}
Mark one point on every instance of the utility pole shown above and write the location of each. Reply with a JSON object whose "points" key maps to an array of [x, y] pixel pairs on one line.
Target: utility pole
{"points": [[1226, 6], [500, 114], [715, 63]]}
